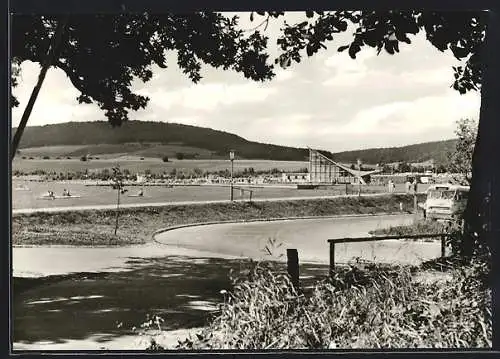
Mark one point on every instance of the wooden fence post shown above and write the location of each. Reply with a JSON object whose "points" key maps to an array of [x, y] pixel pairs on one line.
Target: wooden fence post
{"points": [[293, 266], [443, 246], [332, 258]]}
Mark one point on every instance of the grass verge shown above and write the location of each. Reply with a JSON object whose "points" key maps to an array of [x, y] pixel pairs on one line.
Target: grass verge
{"points": [[136, 225], [419, 227]]}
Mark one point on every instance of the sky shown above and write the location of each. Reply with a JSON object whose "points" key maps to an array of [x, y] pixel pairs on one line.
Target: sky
{"points": [[327, 101]]}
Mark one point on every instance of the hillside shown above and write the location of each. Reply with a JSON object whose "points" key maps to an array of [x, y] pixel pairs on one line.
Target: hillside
{"points": [[157, 139], [152, 139], [437, 151]]}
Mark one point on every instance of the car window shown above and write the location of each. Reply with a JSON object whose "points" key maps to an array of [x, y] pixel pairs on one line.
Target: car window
{"points": [[434, 194], [448, 194]]}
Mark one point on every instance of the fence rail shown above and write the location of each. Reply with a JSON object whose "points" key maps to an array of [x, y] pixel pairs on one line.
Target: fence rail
{"points": [[332, 243]]}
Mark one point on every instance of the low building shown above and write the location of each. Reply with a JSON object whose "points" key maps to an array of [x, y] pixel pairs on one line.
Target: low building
{"points": [[295, 177]]}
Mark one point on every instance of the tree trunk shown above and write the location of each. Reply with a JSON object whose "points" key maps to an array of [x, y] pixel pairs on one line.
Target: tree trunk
{"points": [[117, 210], [483, 206], [482, 212], [49, 58]]}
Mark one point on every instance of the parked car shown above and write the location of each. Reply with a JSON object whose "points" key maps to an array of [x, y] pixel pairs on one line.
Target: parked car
{"points": [[445, 201]]}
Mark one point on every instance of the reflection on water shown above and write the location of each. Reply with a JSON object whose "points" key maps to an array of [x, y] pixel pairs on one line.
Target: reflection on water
{"points": [[77, 306]]}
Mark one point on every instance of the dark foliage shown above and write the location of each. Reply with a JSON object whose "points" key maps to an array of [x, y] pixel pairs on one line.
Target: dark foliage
{"points": [[127, 46]]}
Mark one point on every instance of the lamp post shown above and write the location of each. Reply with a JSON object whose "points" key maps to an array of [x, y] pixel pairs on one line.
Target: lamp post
{"points": [[231, 158], [359, 178]]}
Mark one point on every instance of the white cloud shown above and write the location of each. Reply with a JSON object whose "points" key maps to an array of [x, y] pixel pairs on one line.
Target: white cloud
{"points": [[284, 75], [380, 80], [207, 97], [343, 62], [292, 128], [415, 116]]}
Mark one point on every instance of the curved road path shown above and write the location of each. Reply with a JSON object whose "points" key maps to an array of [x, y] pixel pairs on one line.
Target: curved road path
{"points": [[308, 236], [230, 240]]}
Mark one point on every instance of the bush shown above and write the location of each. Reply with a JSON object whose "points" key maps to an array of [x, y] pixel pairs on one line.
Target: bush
{"points": [[46, 157], [179, 155], [420, 227], [388, 310], [83, 158], [165, 158]]}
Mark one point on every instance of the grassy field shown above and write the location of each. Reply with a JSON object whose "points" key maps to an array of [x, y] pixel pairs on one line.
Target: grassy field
{"points": [[115, 150], [137, 224], [135, 165]]}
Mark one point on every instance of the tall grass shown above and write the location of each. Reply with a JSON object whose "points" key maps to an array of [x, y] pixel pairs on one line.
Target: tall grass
{"points": [[419, 227], [371, 307]]}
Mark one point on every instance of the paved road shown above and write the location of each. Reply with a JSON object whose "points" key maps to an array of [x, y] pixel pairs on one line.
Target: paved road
{"points": [[228, 240], [175, 203], [308, 236]]}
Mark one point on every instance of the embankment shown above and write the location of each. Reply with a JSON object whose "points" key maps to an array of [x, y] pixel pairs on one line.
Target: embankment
{"points": [[136, 225]]}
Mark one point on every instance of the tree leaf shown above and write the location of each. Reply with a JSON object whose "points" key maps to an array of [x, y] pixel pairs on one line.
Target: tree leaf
{"points": [[343, 48]]}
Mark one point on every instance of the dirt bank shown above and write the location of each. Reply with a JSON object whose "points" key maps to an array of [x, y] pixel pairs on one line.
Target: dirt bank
{"points": [[136, 225]]}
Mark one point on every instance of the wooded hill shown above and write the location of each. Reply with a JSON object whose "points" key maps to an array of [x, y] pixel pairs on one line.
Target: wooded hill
{"points": [[154, 138], [437, 151]]}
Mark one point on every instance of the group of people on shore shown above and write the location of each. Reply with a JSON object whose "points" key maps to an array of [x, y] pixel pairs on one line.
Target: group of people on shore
{"points": [[410, 187]]}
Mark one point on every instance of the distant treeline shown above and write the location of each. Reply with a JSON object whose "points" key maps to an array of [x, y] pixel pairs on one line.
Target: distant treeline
{"points": [[174, 173], [437, 151]]}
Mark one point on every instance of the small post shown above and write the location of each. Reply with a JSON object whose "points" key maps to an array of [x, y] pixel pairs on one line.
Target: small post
{"points": [[443, 246], [293, 266], [346, 188], [359, 178], [117, 209], [415, 207], [332, 258], [251, 195], [231, 158]]}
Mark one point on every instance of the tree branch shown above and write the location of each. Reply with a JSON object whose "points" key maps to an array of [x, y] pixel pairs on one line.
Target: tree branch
{"points": [[51, 53]]}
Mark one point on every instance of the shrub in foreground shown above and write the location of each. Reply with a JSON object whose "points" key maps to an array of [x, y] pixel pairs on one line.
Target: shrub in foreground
{"points": [[390, 310]]}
